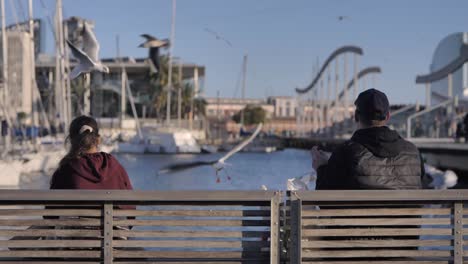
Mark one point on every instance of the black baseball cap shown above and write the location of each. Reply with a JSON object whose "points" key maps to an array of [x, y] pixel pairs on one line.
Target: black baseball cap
{"points": [[372, 104]]}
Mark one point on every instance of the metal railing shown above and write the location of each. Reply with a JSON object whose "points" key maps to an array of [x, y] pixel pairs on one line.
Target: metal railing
{"points": [[435, 123]]}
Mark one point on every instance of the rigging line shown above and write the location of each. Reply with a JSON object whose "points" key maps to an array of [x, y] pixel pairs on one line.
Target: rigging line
{"points": [[236, 88]]}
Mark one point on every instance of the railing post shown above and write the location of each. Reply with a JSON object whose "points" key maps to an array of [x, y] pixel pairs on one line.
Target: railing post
{"points": [[296, 228], [108, 233], [458, 233], [275, 249]]}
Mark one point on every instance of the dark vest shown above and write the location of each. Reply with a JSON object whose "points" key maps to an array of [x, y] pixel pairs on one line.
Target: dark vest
{"points": [[402, 171]]}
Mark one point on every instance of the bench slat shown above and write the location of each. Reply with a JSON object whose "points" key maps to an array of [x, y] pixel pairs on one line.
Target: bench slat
{"points": [[190, 234], [51, 233], [247, 245], [50, 222], [377, 212], [376, 221], [374, 243], [190, 254], [191, 222], [205, 213], [55, 262], [374, 253], [50, 212], [50, 243], [83, 254], [380, 262], [376, 232]]}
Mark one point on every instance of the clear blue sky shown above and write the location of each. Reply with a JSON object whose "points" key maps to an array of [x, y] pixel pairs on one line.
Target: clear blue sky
{"points": [[283, 38]]}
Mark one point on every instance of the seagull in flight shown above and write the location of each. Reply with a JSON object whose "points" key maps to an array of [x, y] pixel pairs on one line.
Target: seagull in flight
{"points": [[217, 164], [341, 18], [153, 44], [88, 57], [218, 37]]}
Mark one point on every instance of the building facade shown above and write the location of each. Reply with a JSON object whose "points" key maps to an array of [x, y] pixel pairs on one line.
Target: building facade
{"points": [[284, 106], [447, 51], [20, 76]]}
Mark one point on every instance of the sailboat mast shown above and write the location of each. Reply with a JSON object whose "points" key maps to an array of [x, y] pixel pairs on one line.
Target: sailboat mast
{"points": [[4, 98], [57, 89], [34, 116], [64, 108], [123, 97], [4, 56], [68, 81], [169, 74], [244, 73]]}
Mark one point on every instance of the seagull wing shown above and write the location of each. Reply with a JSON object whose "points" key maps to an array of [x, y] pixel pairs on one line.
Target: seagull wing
{"points": [[90, 43], [241, 145], [148, 37], [85, 63], [76, 72], [211, 31], [228, 42], [80, 55], [184, 166]]}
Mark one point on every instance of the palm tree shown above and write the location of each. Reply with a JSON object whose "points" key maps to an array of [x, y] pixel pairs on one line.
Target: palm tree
{"points": [[158, 93], [199, 104]]}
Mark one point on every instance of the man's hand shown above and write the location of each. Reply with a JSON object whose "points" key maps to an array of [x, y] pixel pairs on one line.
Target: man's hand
{"points": [[319, 157]]}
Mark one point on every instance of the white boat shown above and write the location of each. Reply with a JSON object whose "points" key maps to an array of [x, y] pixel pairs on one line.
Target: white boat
{"points": [[181, 141]]}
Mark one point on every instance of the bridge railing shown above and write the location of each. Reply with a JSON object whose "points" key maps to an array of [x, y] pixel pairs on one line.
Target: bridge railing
{"points": [[435, 122]]}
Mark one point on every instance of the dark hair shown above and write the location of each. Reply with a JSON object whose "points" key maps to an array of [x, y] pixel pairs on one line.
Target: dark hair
{"points": [[83, 134]]}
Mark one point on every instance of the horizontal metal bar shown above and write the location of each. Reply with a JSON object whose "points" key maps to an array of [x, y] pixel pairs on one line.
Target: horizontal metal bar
{"points": [[134, 196], [423, 196]]}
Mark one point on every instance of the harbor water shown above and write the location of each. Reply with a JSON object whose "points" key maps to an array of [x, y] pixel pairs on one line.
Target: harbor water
{"points": [[243, 171]]}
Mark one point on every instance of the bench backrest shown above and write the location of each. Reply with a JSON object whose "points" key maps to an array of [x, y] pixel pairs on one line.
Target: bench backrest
{"points": [[424, 226], [185, 226]]}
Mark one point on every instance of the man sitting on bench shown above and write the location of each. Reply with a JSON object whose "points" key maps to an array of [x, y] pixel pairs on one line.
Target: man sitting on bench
{"points": [[375, 157]]}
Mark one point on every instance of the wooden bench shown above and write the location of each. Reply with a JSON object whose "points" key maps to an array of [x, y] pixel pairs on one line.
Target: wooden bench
{"points": [[324, 227], [424, 226], [167, 227]]}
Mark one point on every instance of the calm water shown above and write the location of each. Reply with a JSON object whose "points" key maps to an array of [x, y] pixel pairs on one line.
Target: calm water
{"points": [[247, 171]]}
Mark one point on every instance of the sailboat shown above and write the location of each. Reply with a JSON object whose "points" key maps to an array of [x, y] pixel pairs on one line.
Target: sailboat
{"points": [[257, 145], [27, 154]]}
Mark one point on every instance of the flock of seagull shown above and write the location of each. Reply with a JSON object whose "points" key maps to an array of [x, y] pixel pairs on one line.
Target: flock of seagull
{"points": [[88, 61], [88, 58]]}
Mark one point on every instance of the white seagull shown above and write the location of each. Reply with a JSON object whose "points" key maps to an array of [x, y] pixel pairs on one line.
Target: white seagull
{"points": [[88, 57], [153, 42], [217, 164], [218, 37]]}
